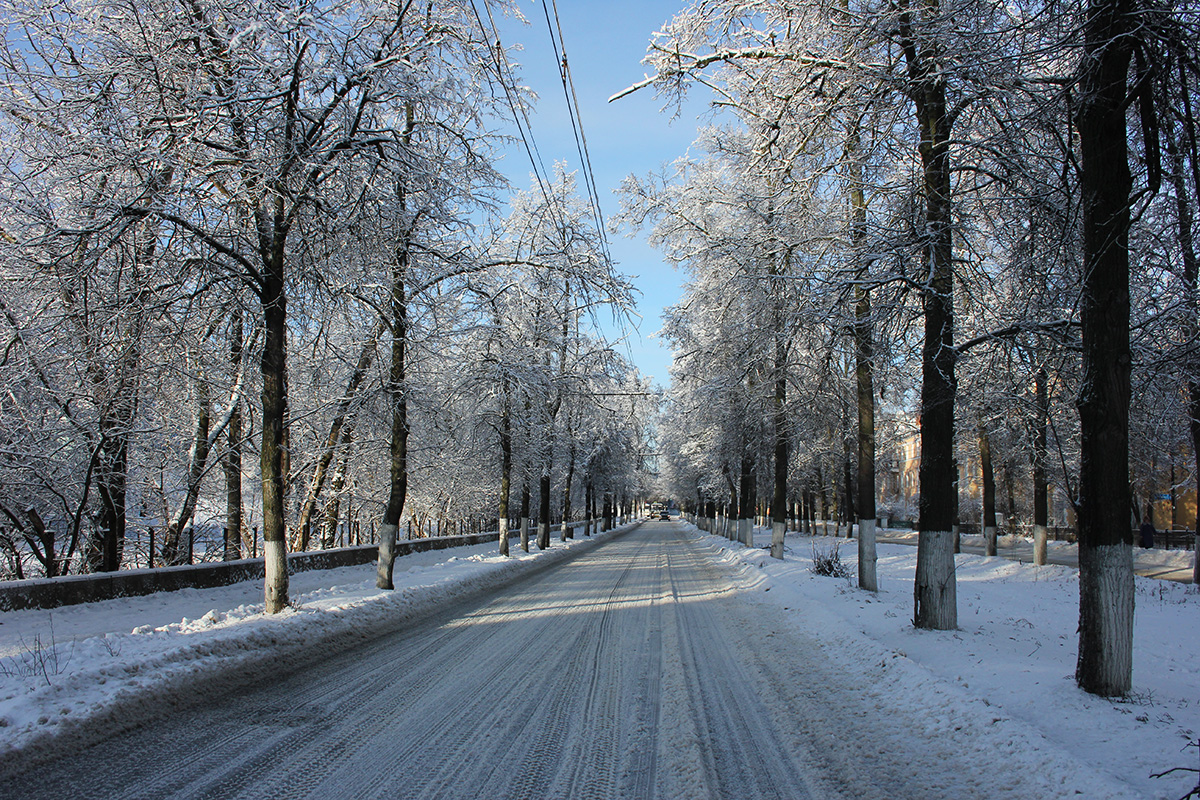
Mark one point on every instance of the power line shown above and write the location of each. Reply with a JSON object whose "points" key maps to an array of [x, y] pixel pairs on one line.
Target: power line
{"points": [[518, 109], [576, 117]]}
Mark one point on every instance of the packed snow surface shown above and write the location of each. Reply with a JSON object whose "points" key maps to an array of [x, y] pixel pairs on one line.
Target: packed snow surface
{"points": [[1012, 659], [660, 663]]}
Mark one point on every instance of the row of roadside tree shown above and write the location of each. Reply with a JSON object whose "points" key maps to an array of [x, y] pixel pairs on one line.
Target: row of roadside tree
{"points": [[979, 212], [259, 266]]}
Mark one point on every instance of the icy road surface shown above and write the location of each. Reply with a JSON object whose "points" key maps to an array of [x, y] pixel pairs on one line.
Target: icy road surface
{"points": [[635, 670]]}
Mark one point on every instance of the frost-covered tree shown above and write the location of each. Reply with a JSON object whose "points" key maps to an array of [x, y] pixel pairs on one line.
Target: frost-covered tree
{"points": [[237, 128], [551, 280]]}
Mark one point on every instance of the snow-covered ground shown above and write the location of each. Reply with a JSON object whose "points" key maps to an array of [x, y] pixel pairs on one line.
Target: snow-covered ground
{"points": [[65, 665], [1149, 562], [1008, 668], [1013, 654]]}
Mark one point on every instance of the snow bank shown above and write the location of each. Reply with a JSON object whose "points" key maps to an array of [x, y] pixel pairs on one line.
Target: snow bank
{"points": [[1003, 683], [113, 663]]}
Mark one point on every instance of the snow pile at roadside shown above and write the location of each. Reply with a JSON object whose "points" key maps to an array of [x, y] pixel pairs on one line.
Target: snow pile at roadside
{"points": [[1021, 547], [116, 661], [1010, 665]]}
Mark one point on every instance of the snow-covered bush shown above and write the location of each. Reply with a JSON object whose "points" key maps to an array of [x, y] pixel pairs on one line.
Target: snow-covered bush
{"points": [[829, 562]]}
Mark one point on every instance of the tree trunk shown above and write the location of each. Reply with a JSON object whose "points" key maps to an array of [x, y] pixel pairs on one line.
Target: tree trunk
{"points": [[107, 542], [1041, 516], [1191, 277], [274, 424], [1105, 661], [172, 552], [748, 499], [232, 463], [332, 514], [565, 531], [543, 527], [396, 390], [505, 471], [116, 391], [848, 484], [989, 491], [397, 393], [824, 503], [1196, 558], [864, 373], [45, 554], [935, 602], [864, 352], [525, 514], [779, 500], [589, 508], [732, 512]]}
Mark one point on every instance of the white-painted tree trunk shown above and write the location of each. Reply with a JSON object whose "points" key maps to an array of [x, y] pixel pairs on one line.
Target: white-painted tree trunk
{"points": [[1196, 559], [778, 530], [1040, 535], [1105, 616], [867, 556], [989, 541], [276, 573], [935, 592], [746, 532], [503, 526], [387, 556]]}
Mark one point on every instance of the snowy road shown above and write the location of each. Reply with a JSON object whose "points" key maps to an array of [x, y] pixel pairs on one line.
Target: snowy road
{"points": [[635, 670]]}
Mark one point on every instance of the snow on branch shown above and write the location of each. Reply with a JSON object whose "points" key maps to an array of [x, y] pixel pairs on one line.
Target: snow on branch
{"points": [[699, 63], [1014, 330]]}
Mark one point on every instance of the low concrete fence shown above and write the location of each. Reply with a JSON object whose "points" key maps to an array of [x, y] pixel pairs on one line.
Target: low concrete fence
{"points": [[71, 589]]}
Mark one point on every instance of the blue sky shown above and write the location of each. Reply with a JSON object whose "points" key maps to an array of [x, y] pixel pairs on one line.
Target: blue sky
{"points": [[605, 43]]}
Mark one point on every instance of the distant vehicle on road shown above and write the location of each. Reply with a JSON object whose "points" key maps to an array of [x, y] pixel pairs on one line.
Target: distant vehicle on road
{"points": [[665, 516]]}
